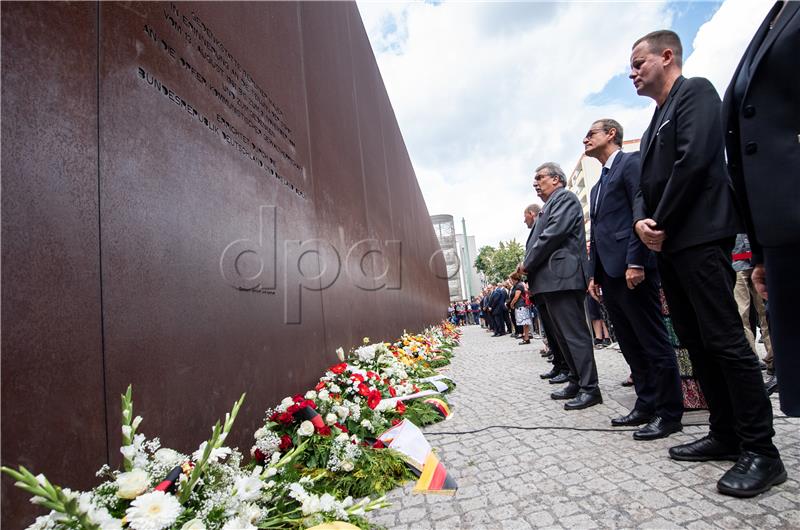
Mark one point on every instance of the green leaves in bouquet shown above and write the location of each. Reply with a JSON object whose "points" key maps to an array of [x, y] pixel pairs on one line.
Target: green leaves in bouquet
{"points": [[50, 496], [378, 471], [420, 413], [218, 435]]}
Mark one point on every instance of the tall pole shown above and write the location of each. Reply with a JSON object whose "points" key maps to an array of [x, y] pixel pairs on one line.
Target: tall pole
{"points": [[467, 275]]}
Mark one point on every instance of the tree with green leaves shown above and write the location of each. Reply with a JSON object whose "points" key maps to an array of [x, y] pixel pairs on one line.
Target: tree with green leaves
{"points": [[498, 263]]}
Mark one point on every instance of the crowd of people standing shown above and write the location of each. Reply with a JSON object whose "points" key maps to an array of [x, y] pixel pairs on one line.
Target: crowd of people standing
{"points": [[667, 218]]}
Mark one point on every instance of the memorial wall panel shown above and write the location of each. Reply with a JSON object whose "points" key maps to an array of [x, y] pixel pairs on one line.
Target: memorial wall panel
{"points": [[174, 179], [53, 419]]}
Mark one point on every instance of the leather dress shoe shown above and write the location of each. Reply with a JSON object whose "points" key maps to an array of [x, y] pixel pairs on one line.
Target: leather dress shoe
{"points": [[552, 373], [544, 353], [560, 378], [657, 428], [752, 474], [772, 385], [583, 400], [705, 449], [634, 417], [568, 392], [525, 342]]}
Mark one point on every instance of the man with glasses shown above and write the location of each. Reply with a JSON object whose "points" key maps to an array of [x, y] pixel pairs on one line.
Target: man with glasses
{"points": [[626, 270], [556, 265]]}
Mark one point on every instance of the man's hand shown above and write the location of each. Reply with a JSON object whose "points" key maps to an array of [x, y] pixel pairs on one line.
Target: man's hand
{"points": [[759, 279], [634, 277], [594, 291], [652, 238]]}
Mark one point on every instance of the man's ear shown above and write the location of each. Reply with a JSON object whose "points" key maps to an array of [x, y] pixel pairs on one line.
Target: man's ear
{"points": [[668, 56]]}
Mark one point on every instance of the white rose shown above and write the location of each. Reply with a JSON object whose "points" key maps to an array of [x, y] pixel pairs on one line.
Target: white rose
{"points": [[311, 395], [165, 455], [306, 428], [347, 466], [342, 412], [287, 402], [132, 483], [324, 395], [194, 524], [342, 437], [330, 418]]}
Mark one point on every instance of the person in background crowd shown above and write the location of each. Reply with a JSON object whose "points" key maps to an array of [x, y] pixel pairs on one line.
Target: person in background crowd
{"points": [[556, 265], [522, 315], [497, 307], [451, 313], [747, 296], [762, 137], [506, 311], [599, 329], [684, 211], [475, 309], [626, 271]]}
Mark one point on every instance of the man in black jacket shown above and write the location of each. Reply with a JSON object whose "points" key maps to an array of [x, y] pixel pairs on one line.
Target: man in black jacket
{"points": [[626, 270], [684, 211], [761, 114]]}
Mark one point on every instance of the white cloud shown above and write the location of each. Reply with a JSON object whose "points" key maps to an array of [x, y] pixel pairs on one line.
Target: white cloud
{"points": [[484, 92]]}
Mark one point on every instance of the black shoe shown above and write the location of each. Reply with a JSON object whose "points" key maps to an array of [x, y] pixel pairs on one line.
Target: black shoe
{"points": [[545, 353], [627, 382], [657, 428], [703, 450], [559, 378], [606, 343], [552, 373], [752, 474], [550, 358], [772, 385], [568, 392], [583, 400], [634, 417], [525, 342], [496, 335]]}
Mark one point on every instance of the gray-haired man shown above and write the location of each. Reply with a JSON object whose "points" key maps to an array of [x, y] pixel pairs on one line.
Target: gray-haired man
{"points": [[556, 265]]}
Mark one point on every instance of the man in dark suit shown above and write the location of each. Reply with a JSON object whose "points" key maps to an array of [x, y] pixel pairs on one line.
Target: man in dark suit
{"points": [[761, 114], [625, 269], [497, 305], [684, 210], [560, 371], [556, 265]]}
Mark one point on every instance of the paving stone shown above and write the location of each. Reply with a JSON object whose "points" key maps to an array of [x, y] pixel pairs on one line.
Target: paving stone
{"points": [[545, 478]]}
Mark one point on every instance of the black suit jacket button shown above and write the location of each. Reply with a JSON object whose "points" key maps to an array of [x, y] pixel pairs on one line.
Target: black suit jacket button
{"points": [[750, 148], [749, 111]]}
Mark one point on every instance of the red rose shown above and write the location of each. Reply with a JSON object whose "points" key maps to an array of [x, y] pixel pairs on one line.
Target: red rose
{"points": [[324, 430], [320, 386], [373, 375], [259, 456], [341, 427], [363, 390], [401, 407], [274, 416], [286, 442], [378, 444], [298, 398], [357, 377], [395, 422], [338, 368], [392, 391]]}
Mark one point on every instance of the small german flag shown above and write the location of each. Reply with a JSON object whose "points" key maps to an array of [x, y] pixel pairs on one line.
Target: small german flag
{"points": [[435, 478], [307, 413], [439, 406]]}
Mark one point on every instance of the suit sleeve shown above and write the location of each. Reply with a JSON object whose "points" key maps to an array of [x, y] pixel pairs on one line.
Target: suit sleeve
{"points": [[561, 219], [592, 244], [631, 177], [698, 140]]}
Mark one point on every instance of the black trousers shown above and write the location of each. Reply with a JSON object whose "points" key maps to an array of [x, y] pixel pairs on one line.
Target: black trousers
{"points": [[499, 325], [636, 316], [507, 320], [698, 283], [783, 288], [559, 363], [570, 328]]}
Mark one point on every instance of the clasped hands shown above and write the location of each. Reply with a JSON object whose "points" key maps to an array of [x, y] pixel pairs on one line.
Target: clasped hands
{"points": [[633, 277], [652, 238]]}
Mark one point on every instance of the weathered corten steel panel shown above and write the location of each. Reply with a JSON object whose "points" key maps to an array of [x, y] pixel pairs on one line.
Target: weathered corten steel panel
{"points": [[53, 418], [194, 166]]}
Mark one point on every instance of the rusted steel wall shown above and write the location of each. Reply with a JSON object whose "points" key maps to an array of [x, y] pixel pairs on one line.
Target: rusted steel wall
{"points": [[200, 199]]}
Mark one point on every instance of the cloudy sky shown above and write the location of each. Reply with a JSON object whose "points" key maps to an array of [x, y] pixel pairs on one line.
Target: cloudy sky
{"points": [[486, 91]]}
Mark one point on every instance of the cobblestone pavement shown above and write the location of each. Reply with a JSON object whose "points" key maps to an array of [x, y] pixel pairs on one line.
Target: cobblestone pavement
{"points": [[519, 479]]}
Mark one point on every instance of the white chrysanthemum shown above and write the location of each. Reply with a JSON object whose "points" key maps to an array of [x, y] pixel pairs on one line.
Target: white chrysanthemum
{"points": [[330, 418], [216, 454], [311, 394], [366, 353], [248, 488], [166, 456], [153, 511]]}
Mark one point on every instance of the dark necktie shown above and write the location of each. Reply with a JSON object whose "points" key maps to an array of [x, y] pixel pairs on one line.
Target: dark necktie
{"points": [[600, 188]]}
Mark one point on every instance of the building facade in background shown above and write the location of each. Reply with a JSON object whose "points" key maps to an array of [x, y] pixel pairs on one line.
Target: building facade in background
{"points": [[445, 230]]}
